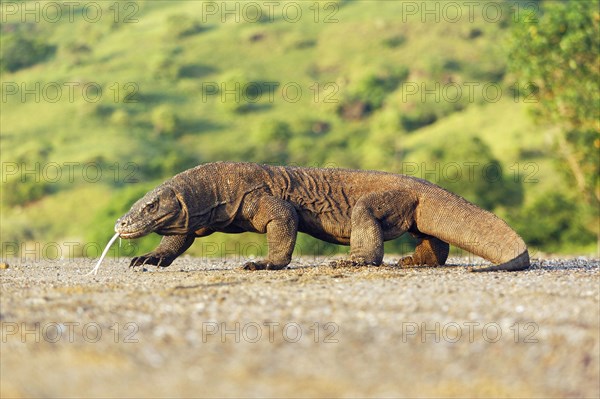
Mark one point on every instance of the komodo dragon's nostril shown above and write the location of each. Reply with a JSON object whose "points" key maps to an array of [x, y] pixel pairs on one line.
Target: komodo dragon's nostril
{"points": [[120, 224]]}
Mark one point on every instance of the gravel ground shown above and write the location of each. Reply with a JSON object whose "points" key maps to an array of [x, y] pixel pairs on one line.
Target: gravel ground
{"points": [[205, 328]]}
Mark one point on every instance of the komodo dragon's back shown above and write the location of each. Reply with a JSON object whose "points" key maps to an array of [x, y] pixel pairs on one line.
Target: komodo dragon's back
{"points": [[359, 208]]}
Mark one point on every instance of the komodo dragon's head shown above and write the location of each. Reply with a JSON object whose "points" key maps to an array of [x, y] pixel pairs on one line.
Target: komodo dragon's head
{"points": [[160, 210]]}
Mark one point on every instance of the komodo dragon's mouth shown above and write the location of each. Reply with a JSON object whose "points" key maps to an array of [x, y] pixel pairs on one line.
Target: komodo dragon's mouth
{"points": [[127, 231], [132, 235]]}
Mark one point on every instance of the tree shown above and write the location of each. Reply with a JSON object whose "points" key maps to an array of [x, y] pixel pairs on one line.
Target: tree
{"points": [[556, 56]]}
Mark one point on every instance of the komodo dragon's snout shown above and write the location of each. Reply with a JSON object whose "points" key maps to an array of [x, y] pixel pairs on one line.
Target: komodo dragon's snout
{"points": [[158, 211]]}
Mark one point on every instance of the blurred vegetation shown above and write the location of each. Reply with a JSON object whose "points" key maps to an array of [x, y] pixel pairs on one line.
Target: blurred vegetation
{"points": [[22, 47], [354, 84], [482, 178], [558, 217], [182, 25], [105, 218], [557, 63], [368, 92]]}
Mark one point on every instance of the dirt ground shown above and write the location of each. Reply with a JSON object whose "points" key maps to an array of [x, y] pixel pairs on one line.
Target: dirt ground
{"points": [[205, 328]]}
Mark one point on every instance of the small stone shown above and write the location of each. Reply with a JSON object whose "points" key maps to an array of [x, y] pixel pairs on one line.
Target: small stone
{"points": [[4, 265]]}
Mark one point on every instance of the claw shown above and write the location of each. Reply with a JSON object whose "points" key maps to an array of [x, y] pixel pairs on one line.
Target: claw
{"points": [[261, 265], [249, 266], [253, 266], [406, 261], [151, 259]]}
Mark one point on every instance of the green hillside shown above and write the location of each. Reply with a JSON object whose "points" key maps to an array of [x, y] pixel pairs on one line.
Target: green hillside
{"points": [[100, 111]]}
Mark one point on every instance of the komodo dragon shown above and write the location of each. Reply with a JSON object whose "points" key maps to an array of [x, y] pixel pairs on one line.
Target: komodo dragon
{"points": [[341, 206]]}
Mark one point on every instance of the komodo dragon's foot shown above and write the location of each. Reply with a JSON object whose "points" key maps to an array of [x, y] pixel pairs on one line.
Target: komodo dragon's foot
{"points": [[409, 261], [151, 259], [262, 265]]}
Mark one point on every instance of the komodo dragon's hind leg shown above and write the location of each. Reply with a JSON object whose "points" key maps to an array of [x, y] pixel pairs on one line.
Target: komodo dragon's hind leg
{"points": [[377, 217], [430, 251], [366, 237]]}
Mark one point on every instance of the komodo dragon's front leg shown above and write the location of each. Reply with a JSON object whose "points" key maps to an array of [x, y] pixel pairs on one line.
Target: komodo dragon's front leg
{"points": [[170, 247], [279, 220]]}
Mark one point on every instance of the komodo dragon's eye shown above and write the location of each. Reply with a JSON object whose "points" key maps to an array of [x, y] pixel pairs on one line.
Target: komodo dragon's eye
{"points": [[151, 206]]}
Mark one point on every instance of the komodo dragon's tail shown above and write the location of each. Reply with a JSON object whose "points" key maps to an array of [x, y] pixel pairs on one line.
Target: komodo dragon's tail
{"points": [[458, 222]]}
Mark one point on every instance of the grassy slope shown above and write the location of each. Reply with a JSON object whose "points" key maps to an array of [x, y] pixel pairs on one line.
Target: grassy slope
{"points": [[85, 132]]}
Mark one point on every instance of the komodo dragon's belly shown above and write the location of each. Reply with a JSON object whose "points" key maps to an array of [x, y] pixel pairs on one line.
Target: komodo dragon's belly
{"points": [[324, 216], [325, 226]]}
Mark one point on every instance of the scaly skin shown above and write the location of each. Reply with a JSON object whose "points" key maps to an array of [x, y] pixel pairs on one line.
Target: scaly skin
{"points": [[350, 207]]}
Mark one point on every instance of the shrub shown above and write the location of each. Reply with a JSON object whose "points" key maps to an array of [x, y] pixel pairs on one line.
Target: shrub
{"points": [[368, 92], [240, 96], [166, 67], [165, 120], [394, 41], [553, 220], [271, 139], [422, 116], [20, 51], [182, 25], [120, 118], [171, 159], [374, 87], [418, 113], [24, 190], [482, 181]]}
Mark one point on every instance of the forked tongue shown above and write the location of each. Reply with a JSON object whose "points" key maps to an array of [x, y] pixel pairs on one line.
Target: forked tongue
{"points": [[110, 243]]}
